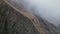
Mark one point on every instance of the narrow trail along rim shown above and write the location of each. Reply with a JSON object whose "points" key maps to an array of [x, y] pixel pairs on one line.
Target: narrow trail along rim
{"points": [[34, 20]]}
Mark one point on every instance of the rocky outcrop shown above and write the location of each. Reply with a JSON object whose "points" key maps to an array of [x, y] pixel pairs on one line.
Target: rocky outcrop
{"points": [[12, 22]]}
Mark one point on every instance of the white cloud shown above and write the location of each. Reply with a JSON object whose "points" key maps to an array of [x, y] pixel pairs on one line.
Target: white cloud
{"points": [[47, 9]]}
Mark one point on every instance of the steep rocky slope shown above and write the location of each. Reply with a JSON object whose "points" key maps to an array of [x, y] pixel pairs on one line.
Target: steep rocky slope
{"points": [[12, 22]]}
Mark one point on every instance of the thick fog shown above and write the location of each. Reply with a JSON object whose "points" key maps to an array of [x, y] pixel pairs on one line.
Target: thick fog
{"points": [[48, 10]]}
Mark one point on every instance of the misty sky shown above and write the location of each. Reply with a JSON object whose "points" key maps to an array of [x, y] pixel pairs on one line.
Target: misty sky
{"points": [[47, 9]]}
